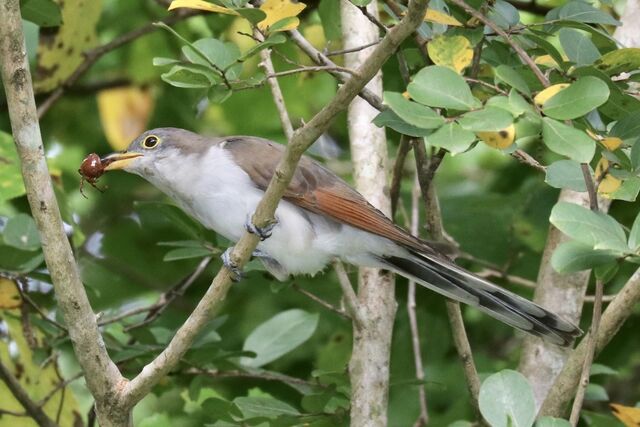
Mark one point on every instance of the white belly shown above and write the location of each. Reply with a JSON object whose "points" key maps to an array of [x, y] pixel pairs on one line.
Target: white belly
{"points": [[223, 199]]}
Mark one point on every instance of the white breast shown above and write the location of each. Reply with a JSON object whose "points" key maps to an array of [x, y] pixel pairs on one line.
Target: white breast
{"points": [[221, 196]]}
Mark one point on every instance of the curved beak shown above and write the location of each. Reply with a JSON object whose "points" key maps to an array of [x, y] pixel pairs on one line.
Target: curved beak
{"points": [[118, 160]]}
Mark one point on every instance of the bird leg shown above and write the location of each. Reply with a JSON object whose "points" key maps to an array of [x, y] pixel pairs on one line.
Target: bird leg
{"points": [[236, 272], [263, 232]]}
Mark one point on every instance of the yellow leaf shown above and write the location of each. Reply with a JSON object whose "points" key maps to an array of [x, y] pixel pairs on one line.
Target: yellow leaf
{"points": [[201, 5], [124, 114], [277, 10], [37, 379], [611, 142], [549, 93], [501, 139], [629, 416], [546, 60], [441, 18], [9, 294], [451, 51], [609, 183], [61, 50]]}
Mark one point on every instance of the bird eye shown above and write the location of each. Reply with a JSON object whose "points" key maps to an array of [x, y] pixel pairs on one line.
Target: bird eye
{"points": [[150, 142]]}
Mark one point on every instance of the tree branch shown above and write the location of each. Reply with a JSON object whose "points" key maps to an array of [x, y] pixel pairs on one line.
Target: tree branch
{"points": [[376, 305], [588, 361], [301, 140], [21, 395], [423, 418], [616, 313], [103, 376]]}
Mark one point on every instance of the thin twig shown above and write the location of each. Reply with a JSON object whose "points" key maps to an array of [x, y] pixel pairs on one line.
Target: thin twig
{"points": [[487, 84], [527, 159], [426, 172], [516, 47], [373, 19], [58, 387], [320, 301], [588, 361], [22, 288], [354, 49], [612, 319], [22, 396], [93, 55], [321, 59], [463, 348], [267, 376], [423, 418], [155, 310], [591, 187], [350, 297], [396, 178]]}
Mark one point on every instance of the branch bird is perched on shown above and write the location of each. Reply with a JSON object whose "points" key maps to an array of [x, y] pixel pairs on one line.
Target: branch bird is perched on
{"points": [[219, 181]]}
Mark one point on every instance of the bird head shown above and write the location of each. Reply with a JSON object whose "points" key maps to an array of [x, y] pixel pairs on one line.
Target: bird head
{"points": [[152, 146]]}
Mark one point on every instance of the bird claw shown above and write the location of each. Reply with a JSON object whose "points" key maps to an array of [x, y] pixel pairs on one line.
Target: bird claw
{"points": [[263, 232], [236, 272]]}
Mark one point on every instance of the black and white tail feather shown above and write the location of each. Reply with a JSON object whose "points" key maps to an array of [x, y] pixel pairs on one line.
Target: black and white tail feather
{"points": [[446, 278]]}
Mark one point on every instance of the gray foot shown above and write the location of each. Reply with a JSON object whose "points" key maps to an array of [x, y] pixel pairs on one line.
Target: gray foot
{"points": [[236, 273], [262, 232]]}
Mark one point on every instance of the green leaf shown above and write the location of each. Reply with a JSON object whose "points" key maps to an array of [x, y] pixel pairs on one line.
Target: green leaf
{"points": [[44, 13], [411, 112], [189, 77], [619, 60], [389, 119], [595, 229], [278, 336], [21, 233], [218, 94], [634, 234], [574, 256], [329, 12], [552, 422], [628, 127], [253, 15], [438, 86], [628, 191], [216, 52], [512, 78], [489, 119], [360, 2], [600, 369], [580, 11], [11, 184], [506, 400], [452, 137], [566, 174], [586, 94], [159, 61], [597, 393], [578, 46], [186, 253], [19, 261], [262, 406], [567, 140], [504, 14]]}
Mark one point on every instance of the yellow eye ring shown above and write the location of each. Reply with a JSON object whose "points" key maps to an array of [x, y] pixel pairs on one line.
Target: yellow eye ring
{"points": [[150, 142]]}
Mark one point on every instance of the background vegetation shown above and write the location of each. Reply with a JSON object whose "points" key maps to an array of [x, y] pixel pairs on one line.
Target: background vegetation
{"points": [[274, 355]]}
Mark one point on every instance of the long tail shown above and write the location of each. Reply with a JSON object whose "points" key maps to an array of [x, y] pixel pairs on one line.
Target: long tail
{"points": [[454, 282]]}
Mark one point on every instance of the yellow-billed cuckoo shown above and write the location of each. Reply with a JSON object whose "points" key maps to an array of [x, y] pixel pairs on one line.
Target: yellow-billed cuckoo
{"points": [[219, 181]]}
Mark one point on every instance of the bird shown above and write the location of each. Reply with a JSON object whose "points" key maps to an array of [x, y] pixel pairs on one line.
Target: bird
{"points": [[219, 181]]}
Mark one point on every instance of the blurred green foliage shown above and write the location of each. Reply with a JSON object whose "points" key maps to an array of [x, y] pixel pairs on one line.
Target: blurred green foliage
{"points": [[132, 244]]}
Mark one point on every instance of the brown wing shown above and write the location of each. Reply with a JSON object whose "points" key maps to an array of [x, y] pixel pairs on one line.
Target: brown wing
{"points": [[316, 189]]}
